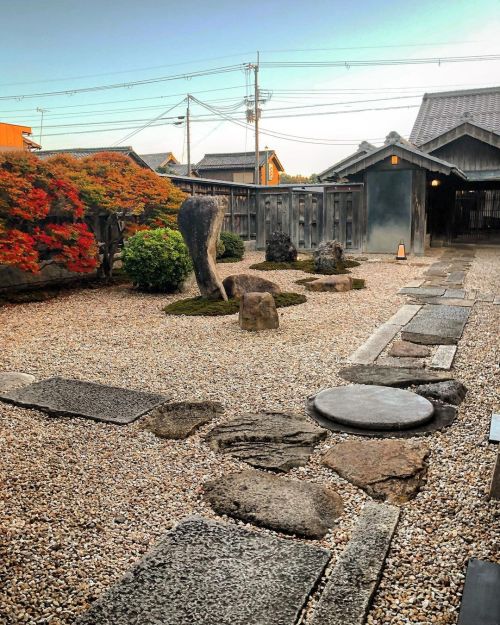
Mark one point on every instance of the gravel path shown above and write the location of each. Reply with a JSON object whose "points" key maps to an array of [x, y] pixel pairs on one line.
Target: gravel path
{"points": [[82, 501]]}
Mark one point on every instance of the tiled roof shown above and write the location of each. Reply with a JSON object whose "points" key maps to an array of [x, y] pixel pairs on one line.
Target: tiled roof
{"points": [[440, 112], [234, 160], [158, 159], [84, 152]]}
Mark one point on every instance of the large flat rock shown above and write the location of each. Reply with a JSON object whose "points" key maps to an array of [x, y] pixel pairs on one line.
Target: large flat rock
{"points": [[178, 420], [437, 325], [480, 599], [267, 440], [404, 349], [391, 470], [284, 505], [209, 573], [422, 291], [373, 407], [349, 591], [64, 397], [391, 376]]}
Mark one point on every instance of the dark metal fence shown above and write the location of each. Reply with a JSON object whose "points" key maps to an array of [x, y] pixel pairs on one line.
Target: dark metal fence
{"points": [[477, 215]]}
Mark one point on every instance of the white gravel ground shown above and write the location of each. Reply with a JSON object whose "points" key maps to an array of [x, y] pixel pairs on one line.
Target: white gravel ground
{"points": [[82, 501]]}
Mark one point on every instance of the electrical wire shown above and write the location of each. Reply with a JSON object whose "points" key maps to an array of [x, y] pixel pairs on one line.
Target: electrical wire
{"points": [[148, 123]]}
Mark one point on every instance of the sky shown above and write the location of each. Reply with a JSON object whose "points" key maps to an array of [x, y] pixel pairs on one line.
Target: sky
{"points": [[320, 113]]}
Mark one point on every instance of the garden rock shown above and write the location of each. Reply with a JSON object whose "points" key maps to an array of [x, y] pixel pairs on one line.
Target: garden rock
{"points": [[283, 505], [280, 249], [258, 312], [391, 376], [329, 257], [14, 379], [330, 283], [200, 219], [405, 349], [236, 286], [180, 419], [391, 470], [449, 392], [268, 440]]}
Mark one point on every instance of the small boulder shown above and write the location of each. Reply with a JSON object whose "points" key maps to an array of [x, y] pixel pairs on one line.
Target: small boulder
{"points": [[329, 257], [449, 392], [258, 312], [280, 249], [236, 286], [330, 283], [405, 349], [180, 419]]}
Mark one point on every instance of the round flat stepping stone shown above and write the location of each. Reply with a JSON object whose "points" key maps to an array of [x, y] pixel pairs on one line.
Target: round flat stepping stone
{"points": [[373, 407]]}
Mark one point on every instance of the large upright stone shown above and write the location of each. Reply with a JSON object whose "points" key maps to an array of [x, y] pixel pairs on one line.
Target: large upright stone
{"points": [[258, 312], [236, 286], [200, 219], [329, 257], [280, 249]]}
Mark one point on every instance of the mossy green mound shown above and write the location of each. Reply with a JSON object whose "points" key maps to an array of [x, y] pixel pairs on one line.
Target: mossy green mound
{"points": [[200, 306], [306, 265], [230, 259], [358, 283]]}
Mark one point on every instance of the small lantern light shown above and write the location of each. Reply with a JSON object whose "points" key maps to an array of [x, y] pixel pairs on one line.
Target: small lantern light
{"points": [[435, 182], [401, 255], [394, 159]]}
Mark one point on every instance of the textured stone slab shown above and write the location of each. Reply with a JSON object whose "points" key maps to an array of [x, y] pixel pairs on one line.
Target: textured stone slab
{"points": [[496, 301], [413, 284], [454, 293], [480, 599], [352, 584], [391, 376], [449, 392], [404, 349], [373, 407], [13, 379], [485, 297], [495, 480], [404, 314], [208, 573], [391, 470], [289, 506], [269, 440], [448, 301], [456, 277], [436, 325], [494, 436], [180, 419], [64, 397], [388, 361], [444, 357], [375, 345], [423, 291]]}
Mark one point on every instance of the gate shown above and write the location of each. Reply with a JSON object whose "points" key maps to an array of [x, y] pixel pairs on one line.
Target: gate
{"points": [[477, 215]]}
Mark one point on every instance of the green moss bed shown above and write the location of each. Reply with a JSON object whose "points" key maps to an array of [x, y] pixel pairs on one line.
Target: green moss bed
{"points": [[357, 283], [306, 265], [200, 306], [229, 259]]}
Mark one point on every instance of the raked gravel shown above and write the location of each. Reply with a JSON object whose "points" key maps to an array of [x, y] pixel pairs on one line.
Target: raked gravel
{"points": [[82, 501]]}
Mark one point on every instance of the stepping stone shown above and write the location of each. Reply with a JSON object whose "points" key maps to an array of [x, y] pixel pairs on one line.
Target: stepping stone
{"points": [[496, 301], [13, 379], [444, 357], [373, 407], [269, 440], [485, 297], [495, 480], [74, 398], [423, 291], [405, 349], [454, 293], [388, 361], [449, 301], [404, 314], [389, 469], [449, 392], [390, 376], [413, 284], [208, 573], [351, 586], [283, 505], [457, 277], [480, 602], [437, 325], [180, 419], [494, 436], [375, 345]]}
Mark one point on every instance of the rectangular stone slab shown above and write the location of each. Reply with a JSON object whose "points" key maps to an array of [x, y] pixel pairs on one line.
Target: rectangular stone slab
{"points": [[350, 588], [423, 291], [404, 314], [374, 345], [64, 397], [495, 480], [494, 436], [480, 603], [443, 358], [209, 573], [455, 293], [436, 325]]}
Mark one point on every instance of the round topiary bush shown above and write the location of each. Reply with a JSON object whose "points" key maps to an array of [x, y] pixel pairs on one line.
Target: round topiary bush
{"points": [[157, 260], [234, 247]]}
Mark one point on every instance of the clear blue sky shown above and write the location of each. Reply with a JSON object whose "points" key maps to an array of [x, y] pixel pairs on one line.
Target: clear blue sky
{"points": [[59, 45]]}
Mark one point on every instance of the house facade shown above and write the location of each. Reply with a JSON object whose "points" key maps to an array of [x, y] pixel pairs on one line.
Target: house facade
{"points": [[16, 138], [440, 187], [240, 167]]}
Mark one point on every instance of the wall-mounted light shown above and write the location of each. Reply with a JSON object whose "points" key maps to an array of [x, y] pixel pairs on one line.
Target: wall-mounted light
{"points": [[435, 182], [394, 159]]}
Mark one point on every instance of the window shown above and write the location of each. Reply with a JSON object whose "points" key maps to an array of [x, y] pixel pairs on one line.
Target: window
{"points": [[270, 171]]}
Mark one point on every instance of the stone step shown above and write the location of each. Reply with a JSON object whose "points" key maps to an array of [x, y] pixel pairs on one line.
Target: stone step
{"points": [[480, 599], [437, 325], [494, 436], [350, 588], [443, 358]]}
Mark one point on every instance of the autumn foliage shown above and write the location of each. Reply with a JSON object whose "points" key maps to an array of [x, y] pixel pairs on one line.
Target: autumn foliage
{"points": [[41, 217]]}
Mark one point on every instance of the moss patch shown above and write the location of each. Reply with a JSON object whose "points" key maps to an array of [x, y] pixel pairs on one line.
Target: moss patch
{"points": [[306, 265], [358, 283], [200, 306], [229, 259]]}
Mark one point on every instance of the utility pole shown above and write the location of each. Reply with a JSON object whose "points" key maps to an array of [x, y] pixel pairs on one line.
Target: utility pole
{"points": [[42, 111], [188, 136], [256, 176]]}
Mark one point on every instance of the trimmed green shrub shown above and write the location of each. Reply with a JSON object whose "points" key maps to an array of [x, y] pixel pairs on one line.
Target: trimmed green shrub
{"points": [[234, 248], [157, 260], [201, 306]]}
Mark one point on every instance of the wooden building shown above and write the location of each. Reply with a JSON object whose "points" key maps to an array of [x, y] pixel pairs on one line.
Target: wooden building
{"points": [[240, 167], [165, 162], [14, 137]]}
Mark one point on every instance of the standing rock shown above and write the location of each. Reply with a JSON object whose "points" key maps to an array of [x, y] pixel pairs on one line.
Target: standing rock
{"points": [[329, 257], [330, 283], [236, 286], [258, 312], [200, 219], [280, 249]]}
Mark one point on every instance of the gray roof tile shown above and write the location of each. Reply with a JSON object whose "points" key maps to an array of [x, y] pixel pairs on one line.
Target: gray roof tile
{"points": [[232, 160]]}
